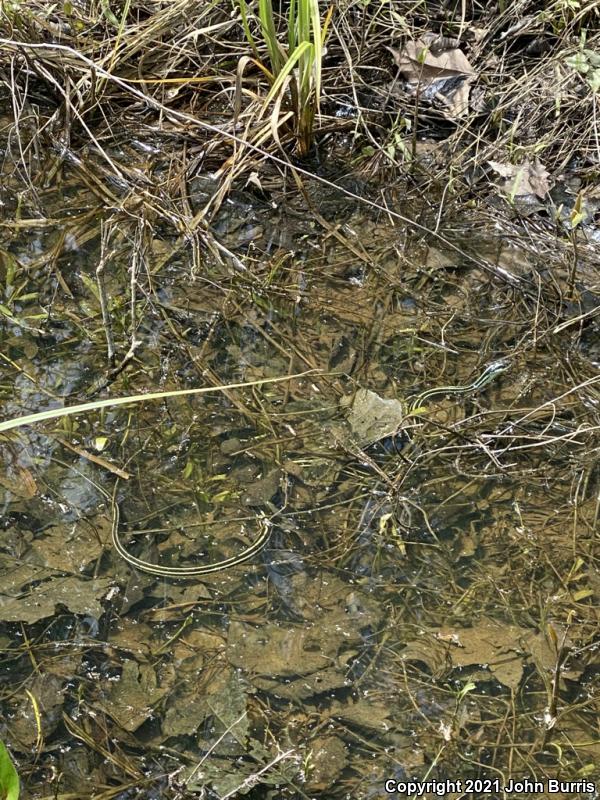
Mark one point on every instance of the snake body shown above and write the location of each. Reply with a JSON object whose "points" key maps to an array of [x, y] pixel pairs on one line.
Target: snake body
{"points": [[489, 373], [192, 571]]}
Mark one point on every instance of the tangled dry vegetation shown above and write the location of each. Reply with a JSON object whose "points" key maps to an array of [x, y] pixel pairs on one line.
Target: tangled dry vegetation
{"points": [[96, 85]]}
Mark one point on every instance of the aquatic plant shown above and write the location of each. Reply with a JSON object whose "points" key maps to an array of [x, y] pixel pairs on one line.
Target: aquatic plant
{"points": [[9, 780]]}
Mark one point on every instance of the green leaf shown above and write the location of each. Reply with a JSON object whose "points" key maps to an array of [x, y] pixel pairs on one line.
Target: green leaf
{"points": [[582, 594], [576, 218], [221, 496], [578, 62], [91, 286], [10, 263], [592, 57], [9, 780], [267, 24], [244, 15], [55, 413], [594, 80], [286, 69], [108, 14], [317, 56]]}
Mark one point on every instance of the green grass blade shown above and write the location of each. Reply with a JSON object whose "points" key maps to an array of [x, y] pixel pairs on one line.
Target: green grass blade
{"points": [[9, 780], [305, 70], [292, 40], [286, 69], [318, 49], [303, 21], [245, 25], [64, 411], [265, 15]]}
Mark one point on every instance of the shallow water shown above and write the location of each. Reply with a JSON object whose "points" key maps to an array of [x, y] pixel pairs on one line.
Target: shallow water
{"points": [[426, 607]]}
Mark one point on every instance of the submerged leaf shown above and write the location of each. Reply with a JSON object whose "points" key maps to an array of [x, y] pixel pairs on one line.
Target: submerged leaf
{"points": [[71, 547], [488, 643], [372, 417], [131, 700], [328, 758], [78, 595]]}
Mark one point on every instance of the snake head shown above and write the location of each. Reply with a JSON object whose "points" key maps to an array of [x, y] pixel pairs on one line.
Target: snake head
{"points": [[490, 372]]}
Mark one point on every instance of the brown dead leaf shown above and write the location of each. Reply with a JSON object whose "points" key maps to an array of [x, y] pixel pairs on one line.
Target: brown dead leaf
{"points": [[488, 643], [372, 417], [19, 482], [429, 652], [417, 63], [79, 596], [544, 654], [456, 101], [439, 259], [573, 732], [325, 680], [131, 699], [443, 75], [523, 179], [328, 757], [365, 713], [48, 693], [71, 546], [132, 636]]}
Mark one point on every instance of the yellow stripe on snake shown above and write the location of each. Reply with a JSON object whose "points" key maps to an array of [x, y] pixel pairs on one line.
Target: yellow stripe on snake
{"points": [[191, 571]]}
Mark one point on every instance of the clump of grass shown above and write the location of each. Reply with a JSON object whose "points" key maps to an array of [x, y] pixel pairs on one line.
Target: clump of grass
{"points": [[293, 72]]}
